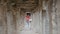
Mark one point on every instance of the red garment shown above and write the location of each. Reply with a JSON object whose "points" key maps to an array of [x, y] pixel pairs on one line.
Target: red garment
{"points": [[27, 18]]}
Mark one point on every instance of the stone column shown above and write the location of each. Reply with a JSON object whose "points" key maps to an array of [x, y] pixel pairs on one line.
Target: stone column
{"points": [[3, 20], [18, 21], [40, 16], [54, 19], [48, 22], [50, 15], [58, 16], [10, 24]]}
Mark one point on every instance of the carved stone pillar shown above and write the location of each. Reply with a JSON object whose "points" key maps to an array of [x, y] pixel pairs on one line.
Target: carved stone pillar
{"points": [[3, 19]]}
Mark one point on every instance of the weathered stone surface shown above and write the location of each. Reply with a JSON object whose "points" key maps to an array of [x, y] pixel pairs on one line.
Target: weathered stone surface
{"points": [[44, 20]]}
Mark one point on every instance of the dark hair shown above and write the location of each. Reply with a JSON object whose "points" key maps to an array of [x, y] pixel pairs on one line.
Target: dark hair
{"points": [[29, 14]]}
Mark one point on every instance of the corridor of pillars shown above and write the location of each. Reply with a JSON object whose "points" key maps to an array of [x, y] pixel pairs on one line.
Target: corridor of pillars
{"points": [[44, 19]]}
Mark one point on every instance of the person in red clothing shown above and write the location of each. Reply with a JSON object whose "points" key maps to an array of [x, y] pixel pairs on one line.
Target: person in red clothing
{"points": [[28, 18]]}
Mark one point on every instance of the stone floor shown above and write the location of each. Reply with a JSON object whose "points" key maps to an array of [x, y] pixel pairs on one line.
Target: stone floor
{"points": [[28, 30]]}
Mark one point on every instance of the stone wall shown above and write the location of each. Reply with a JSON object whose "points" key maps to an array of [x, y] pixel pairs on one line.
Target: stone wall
{"points": [[43, 22]]}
